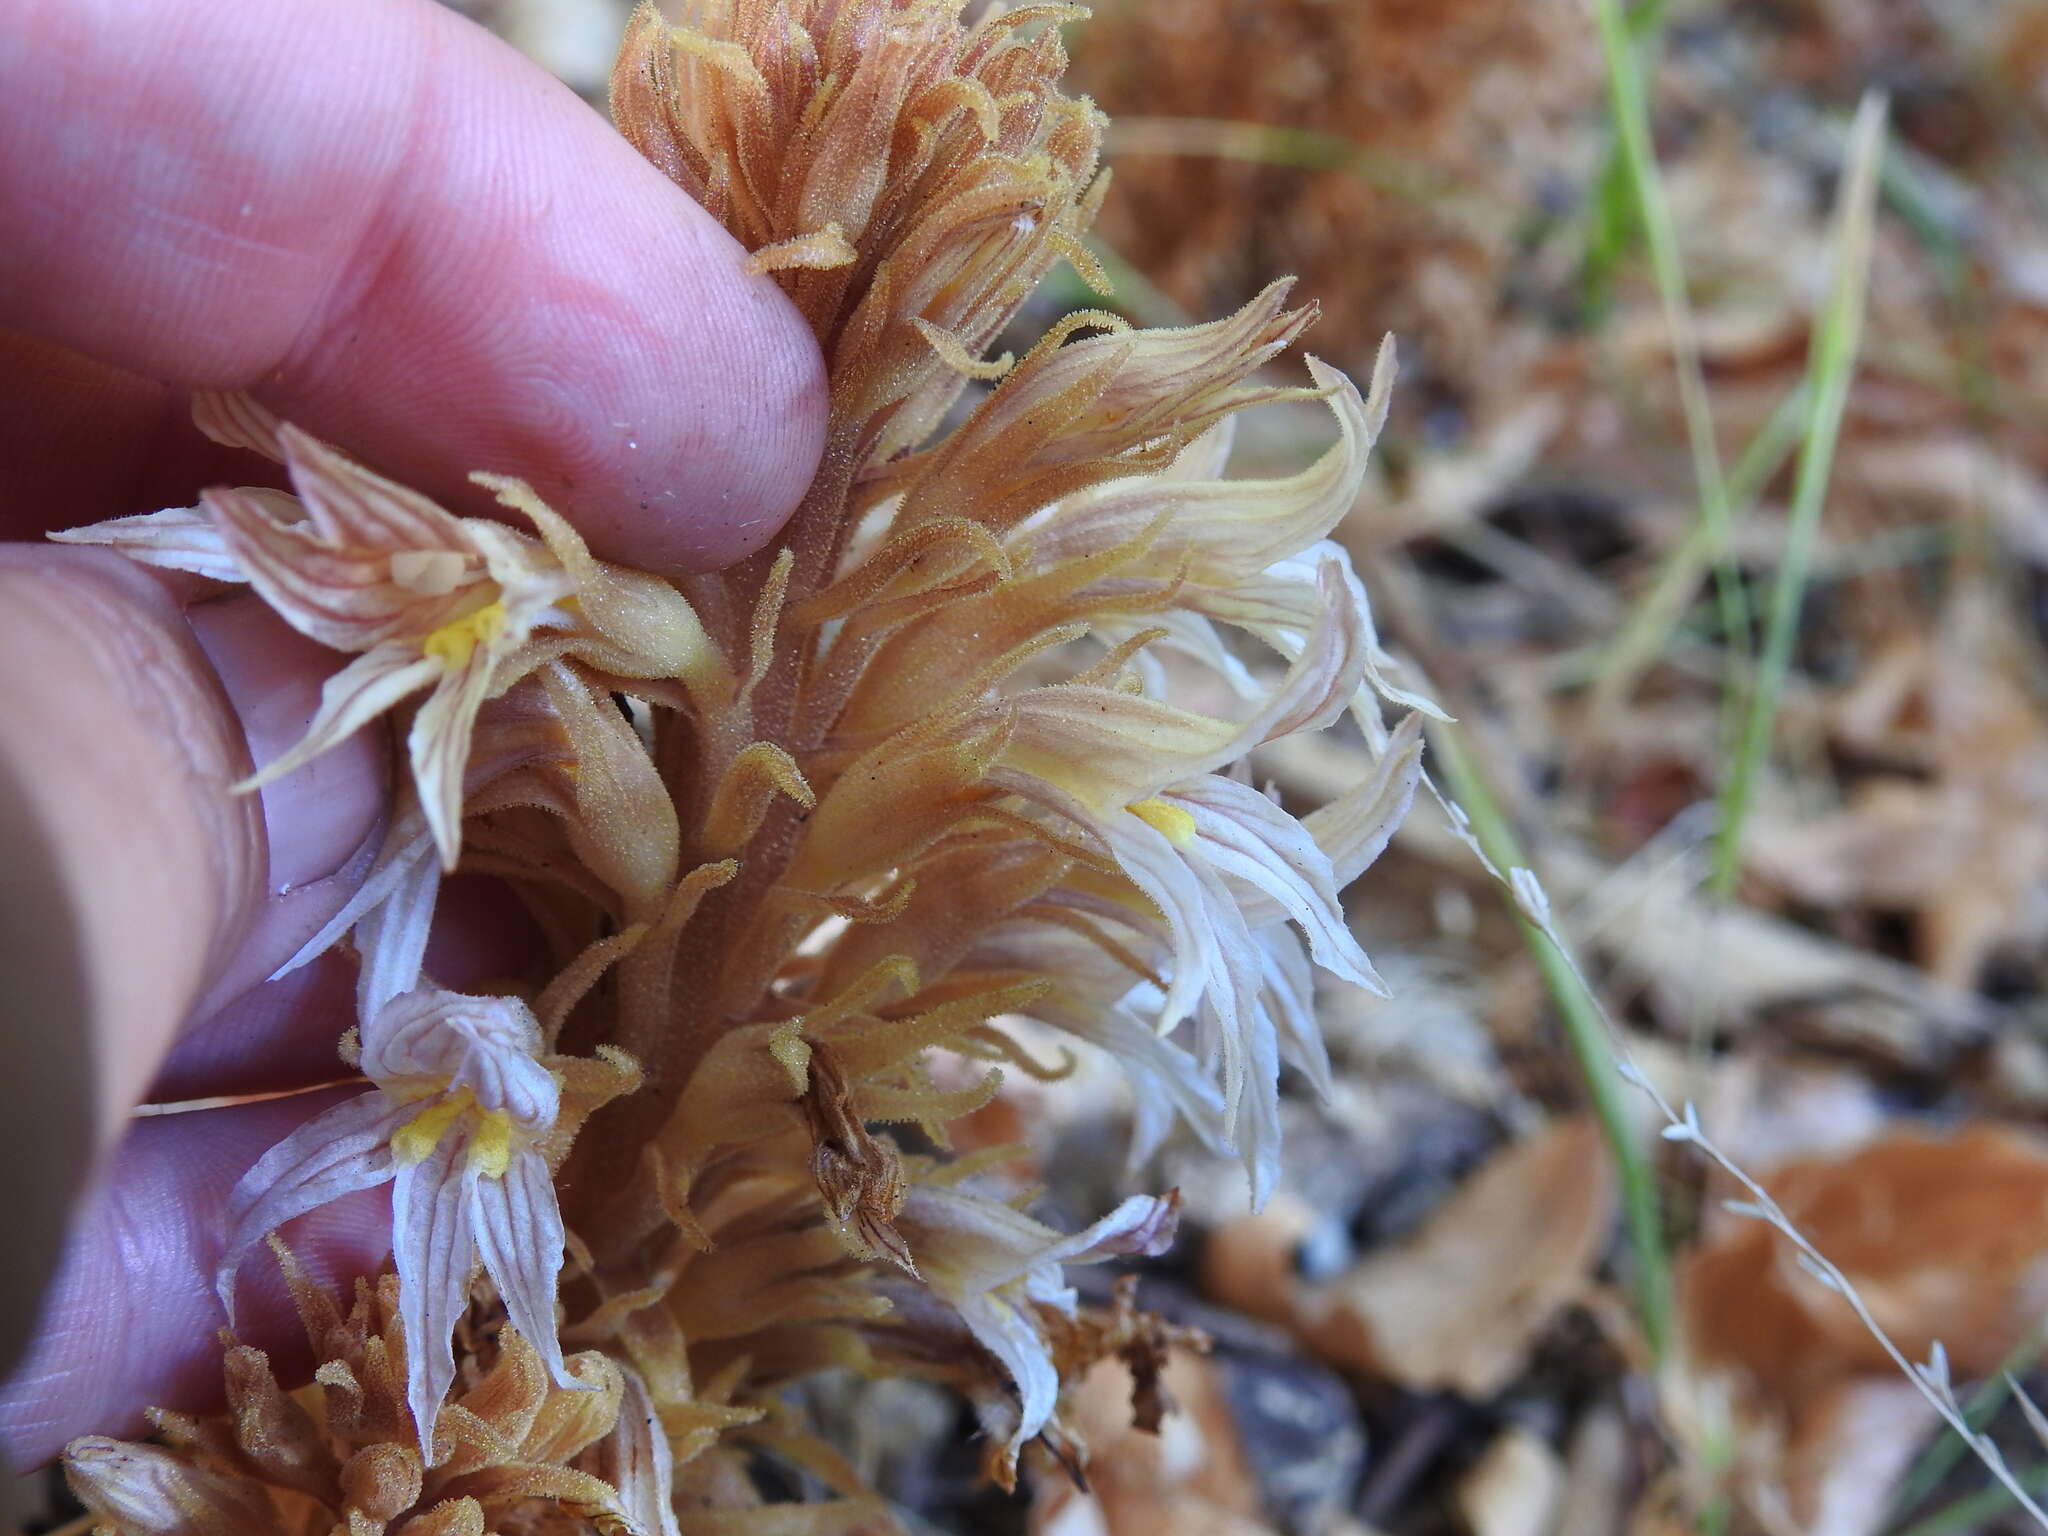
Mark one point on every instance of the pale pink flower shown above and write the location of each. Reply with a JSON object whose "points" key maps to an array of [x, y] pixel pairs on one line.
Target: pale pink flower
{"points": [[459, 1105], [457, 608]]}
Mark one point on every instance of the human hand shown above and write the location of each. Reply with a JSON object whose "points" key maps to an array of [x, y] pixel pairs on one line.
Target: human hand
{"points": [[398, 234]]}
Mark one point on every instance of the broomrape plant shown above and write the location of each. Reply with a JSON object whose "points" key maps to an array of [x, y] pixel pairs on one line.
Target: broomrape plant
{"points": [[953, 752]]}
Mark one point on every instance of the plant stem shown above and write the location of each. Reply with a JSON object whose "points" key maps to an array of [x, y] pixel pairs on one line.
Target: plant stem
{"points": [[1650, 626], [1588, 1036], [1969, 1515], [1944, 1451]]}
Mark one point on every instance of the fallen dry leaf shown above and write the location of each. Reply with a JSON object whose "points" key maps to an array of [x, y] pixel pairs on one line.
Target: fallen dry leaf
{"points": [[1847, 1449], [1596, 1475], [1514, 1488], [1944, 1238], [1189, 1479], [1249, 1264], [1963, 845], [1457, 1306], [1726, 964]]}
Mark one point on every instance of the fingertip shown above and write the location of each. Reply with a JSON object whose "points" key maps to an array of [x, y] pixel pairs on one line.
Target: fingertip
{"points": [[564, 313], [397, 232], [720, 425]]}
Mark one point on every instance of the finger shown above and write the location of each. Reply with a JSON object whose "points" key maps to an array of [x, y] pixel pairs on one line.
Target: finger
{"points": [[83, 440], [120, 744], [131, 1320], [402, 235], [318, 821], [243, 684], [129, 875]]}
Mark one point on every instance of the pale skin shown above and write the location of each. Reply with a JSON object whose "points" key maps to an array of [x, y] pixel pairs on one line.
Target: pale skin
{"points": [[400, 235]]}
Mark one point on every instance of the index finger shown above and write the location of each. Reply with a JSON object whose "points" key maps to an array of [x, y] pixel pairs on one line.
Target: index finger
{"points": [[395, 231]]}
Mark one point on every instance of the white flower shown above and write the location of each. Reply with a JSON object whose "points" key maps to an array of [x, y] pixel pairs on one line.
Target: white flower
{"points": [[460, 1104], [995, 1267]]}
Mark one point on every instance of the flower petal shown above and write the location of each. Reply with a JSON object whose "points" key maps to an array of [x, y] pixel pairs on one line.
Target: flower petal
{"points": [[435, 1251], [1355, 828], [1143, 1226], [486, 1045], [439, 746], [141, 1490], [353, 507], [515, 730], [636, 1459], [1224, 530], [1188, 898], [1288, 997], [331, 1155], [518, 1229], [1105, 748], [1325, 674], [234, 420], [1257, 1122], [350, 700], [1246, 836], [1280, 604], [175, 539], [647, 627], [346, 596], [1164, 1078], [1002, 1329], [985, 1259], [391, 933], [406, 842]]}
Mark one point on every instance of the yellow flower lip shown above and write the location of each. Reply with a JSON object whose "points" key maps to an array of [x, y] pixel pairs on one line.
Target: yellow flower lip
{"points": [[490, 1151], [411, 1142], [1177, 824], [453, 642]]}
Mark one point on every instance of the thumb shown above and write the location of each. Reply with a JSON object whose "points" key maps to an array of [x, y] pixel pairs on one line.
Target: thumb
{"points": [[132, 880]]}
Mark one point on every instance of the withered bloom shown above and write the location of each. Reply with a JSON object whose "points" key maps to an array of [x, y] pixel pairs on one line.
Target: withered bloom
{"points": [[950, 753], [998, 1271], [523, 1448]]}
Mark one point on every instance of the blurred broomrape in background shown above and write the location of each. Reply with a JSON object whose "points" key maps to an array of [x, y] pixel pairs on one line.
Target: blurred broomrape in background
{"points": [[796, 833]]}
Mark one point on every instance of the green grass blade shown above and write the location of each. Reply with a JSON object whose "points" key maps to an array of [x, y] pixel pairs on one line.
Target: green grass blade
{"points": [[1649, 628], [1628, 98], [1831, 368], [1613, 217]]}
